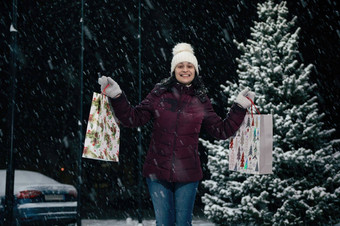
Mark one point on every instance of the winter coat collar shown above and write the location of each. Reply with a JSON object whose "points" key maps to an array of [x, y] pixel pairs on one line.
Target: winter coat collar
{"points": [[183, 89], [178, 88]]}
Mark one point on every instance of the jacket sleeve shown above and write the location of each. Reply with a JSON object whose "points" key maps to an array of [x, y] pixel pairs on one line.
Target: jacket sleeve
{"points": [[222, 128], [131, 116]]}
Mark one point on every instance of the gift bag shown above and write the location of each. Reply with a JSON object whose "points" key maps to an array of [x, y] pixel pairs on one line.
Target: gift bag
{"points": [[250, 150], [102, 133]]}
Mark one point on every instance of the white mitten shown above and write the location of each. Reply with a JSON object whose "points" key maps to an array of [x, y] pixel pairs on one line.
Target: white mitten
{"points": [[242, 100], [113, 90], [103, 83]]}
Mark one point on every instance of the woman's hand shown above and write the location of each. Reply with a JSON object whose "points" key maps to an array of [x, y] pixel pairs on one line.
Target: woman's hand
{"points": [[113, 90], [242, 100]]}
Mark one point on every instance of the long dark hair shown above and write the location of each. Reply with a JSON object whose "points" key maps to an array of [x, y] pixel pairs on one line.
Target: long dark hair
{"points": [[199, 88]]}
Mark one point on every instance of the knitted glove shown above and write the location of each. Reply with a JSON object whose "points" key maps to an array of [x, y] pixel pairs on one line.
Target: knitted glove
{"points": [[242, 100], [113, 90]]}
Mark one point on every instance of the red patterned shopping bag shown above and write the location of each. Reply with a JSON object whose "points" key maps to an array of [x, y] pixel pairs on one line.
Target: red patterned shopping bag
{"points": [[250, 150], [102, 133]]}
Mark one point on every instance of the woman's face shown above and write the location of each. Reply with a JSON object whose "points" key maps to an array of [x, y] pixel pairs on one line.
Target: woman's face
{"points": [[185, 72]]}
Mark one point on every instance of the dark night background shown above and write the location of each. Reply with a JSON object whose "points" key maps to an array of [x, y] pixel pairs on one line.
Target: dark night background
{"points": [[48, 77]]}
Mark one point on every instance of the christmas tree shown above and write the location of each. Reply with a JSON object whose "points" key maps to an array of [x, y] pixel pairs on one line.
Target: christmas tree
{"points": [[242, 160], [305, 185]]}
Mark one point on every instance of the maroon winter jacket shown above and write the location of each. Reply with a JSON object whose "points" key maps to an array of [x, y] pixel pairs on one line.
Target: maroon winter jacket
{"points": [[177, 120]]}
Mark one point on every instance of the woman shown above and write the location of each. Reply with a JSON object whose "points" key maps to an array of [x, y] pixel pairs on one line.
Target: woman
{"points": [[179, 107]]}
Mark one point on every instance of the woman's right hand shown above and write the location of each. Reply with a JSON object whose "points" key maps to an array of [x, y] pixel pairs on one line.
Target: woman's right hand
{"points": [[113, 90]]}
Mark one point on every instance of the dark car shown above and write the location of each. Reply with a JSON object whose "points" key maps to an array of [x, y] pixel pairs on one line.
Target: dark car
{"points": [[39, 199]]}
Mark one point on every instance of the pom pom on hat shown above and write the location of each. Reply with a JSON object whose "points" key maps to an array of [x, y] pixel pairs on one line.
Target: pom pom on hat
{"points": [[181, 47], [183, 52]]}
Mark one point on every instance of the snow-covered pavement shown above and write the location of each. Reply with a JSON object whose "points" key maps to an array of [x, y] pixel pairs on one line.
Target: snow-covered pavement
{"points": [[130, 222]]}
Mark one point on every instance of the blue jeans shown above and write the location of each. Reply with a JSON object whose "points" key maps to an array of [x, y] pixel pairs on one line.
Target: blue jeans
{"points": [[173, 202]]}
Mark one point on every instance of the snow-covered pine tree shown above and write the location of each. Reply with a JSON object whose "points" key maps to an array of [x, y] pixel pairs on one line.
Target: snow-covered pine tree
{"points": [[305, 185]]}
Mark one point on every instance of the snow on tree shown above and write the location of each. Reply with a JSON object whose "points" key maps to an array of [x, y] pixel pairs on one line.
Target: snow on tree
{"points": [[305, 185]]}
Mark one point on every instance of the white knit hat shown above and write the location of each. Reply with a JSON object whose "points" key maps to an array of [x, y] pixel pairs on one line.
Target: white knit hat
{"points": [[183, 52]]}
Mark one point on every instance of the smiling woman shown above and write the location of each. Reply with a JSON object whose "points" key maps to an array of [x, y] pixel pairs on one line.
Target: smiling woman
{"points": [[179, 108]]}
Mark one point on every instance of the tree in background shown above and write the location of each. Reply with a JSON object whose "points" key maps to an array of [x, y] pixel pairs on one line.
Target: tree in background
{"points": [[305, 184]]}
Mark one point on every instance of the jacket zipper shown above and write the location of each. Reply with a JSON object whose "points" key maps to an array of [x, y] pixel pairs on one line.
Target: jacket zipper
{"points": [[175, 138], [173, 150]]}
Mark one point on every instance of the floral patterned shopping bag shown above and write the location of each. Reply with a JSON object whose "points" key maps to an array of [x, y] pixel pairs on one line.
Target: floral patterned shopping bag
{"points": [[102, 133]]}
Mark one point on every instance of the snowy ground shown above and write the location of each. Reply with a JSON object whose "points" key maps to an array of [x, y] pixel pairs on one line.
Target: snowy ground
{"points": [[130, 222]]}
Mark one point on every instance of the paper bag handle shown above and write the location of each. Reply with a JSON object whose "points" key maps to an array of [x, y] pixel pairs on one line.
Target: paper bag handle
{"points": [[252, 103], [251, 109], [105, 89]]}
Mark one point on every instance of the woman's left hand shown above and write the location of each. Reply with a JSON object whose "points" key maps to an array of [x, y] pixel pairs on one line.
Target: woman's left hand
{"points": [[242, 100]]}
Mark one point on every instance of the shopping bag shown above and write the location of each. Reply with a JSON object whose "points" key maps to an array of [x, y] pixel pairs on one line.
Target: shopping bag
{"points": [[102, 133], [250, 150]]}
